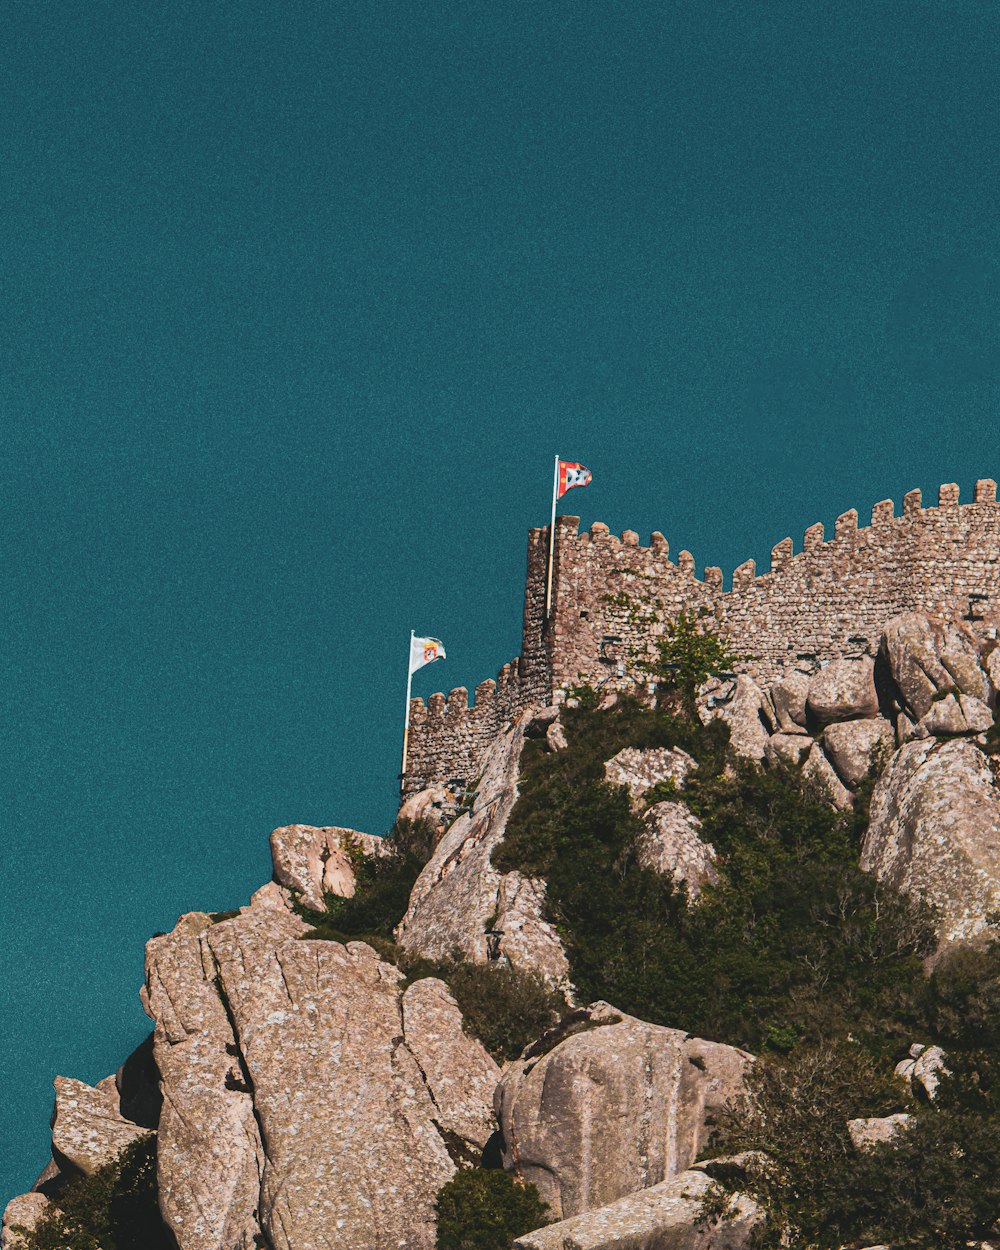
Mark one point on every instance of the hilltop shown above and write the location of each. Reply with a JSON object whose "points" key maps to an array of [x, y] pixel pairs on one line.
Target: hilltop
{"points": [[685, 936]]}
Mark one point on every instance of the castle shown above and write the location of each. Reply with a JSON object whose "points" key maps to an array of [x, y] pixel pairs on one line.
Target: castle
{"points": [[611, 599]]}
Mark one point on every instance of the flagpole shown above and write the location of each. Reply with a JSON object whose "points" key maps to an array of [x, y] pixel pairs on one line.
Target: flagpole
{"points": [[552, 540], [406, 722]]}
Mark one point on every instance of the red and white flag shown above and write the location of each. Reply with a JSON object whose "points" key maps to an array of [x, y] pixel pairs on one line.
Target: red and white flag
{"points": [[571, 474]]}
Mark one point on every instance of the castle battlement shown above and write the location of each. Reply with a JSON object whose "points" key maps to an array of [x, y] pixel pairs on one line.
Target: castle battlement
{"points": [[612, 598]]}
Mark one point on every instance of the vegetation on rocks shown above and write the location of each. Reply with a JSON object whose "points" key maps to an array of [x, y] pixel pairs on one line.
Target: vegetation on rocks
{"points": [[690, 652], [935, 1183], [485, 1209], [794, 944], [504, 1008], [115, 1209]]}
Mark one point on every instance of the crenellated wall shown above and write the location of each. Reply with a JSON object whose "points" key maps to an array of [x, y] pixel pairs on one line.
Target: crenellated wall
{"points": [[613, 597]]}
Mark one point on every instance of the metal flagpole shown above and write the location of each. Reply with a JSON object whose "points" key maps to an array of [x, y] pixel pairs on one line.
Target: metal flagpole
{"points": [[552, 540], [406, 722]]}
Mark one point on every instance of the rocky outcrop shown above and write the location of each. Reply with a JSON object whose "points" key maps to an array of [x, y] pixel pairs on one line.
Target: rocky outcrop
{"points": [[316, 861], [666, 1216], [437, 805], [842, 690], [209, 1153], [670, 843], [853, 746], [617, 1107], [739, 702], [308, 1099], [639, 770], [22, 1212], [88, 1128], [460, 894], [923, 1069], [934, 832], [876, 1131], [459, 1074]]}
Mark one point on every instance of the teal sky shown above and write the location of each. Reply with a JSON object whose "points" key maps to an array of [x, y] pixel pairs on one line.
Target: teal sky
{"points": [[299, 300]]}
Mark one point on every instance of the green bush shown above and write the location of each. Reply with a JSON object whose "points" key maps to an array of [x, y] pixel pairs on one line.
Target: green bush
{"points": [[382, 890], [794, 944], [115, 1209], [689, 653], [484, 1209], [935, 1184], [505, 1009]]}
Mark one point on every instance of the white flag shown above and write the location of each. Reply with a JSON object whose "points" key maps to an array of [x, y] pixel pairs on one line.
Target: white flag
{"points": [[425, 651]]}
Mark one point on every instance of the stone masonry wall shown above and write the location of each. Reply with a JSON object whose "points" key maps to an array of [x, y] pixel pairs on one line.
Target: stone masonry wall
{"points": [[612, 599], [448, 736]]}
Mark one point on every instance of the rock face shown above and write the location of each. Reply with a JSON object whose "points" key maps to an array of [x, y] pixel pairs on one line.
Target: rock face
{"points": [[742, 705], [926, 656], [88, 1128], [663, 1217], [935, 832], [852, 745], [314, 861], [460, 1075], [459, 894], [307, 1098], [843, 690], [820, 772], [957, 714], [24, 1211], [639, 770], [618, 1107], [876, 1131], [670, 843], [209, 1153]]}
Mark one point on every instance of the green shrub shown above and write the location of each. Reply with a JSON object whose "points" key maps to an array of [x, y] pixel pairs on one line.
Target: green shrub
{"points": [[935, 1184], [484, 1209], [382, 888], [689, 653], [115, 1209], [505, 1009], [794, 944]]}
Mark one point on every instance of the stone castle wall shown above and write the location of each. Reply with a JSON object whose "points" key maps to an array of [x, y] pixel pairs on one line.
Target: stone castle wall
{"points": [[612, 599]]}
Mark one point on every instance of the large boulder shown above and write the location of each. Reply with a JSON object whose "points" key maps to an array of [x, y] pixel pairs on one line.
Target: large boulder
{"points": [[934, 831], [639, 770], [956, 714], [613, 1108], [670, 843], [926, 655], [667, 1216], [88, 1128], [853, 746], [437, 805], [316, 861], [209, 1155], [843, 690], [21, 1215], [739, 702], [459, 895], [460, 1075], [788, 698], [310, 1098]]}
